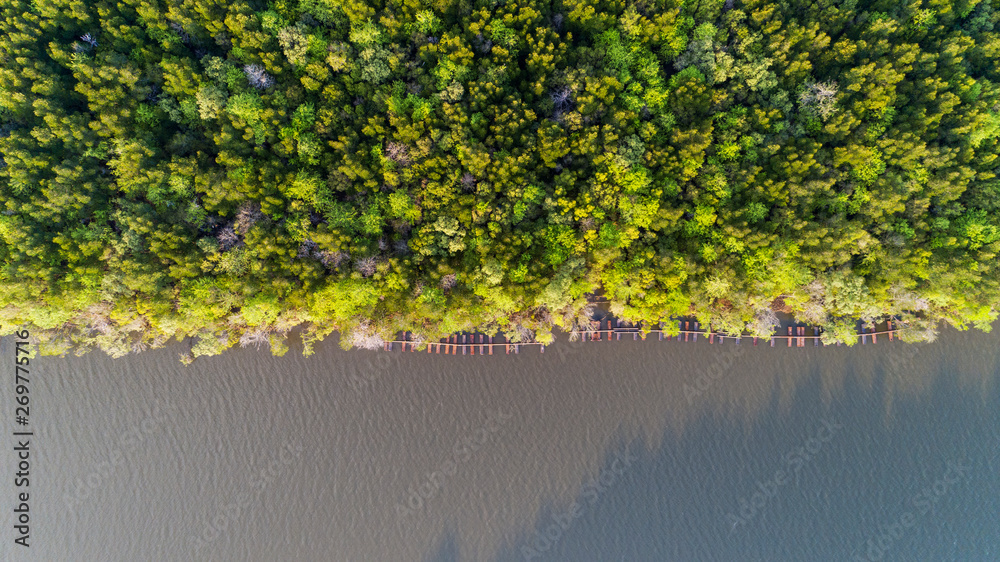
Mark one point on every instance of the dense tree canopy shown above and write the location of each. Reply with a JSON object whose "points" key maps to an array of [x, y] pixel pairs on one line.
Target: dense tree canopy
{"points": [[231, 170]]}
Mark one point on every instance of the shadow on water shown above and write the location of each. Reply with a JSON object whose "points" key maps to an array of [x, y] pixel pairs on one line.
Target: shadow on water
{"points": [[447, 550], [867, 476]]}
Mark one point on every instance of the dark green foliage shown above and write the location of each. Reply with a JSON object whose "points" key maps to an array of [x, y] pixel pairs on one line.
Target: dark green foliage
{"points": [[231, 170]]}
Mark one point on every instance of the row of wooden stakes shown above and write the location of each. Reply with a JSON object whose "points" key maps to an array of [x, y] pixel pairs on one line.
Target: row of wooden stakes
{"points": [[688, 331], [451, 344]]}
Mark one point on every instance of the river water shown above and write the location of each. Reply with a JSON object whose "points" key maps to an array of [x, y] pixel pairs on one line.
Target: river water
{"points": [[626, 450]]}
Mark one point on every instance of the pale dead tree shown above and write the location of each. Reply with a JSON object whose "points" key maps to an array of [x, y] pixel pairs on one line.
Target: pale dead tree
{"points": [[247, 216], [255, 338], [228, 239], [102, 325], [816, 289], [257, 76], [522, 334], [449, 281], [308, 249], [895, 239], [398, 153], [764, 323], [333, 259], [907, 300], [139, 345], [484, 45], [88, 39], [825, 90], [588, 224], [382, 245], [544, 315], [814, 310], [822, 96], [159, 341], [139, 324], [917, 330], [561, 98], [401, 247], [579, 321], [98, 318], [468, 181], [366, 266], [364, 337]]}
